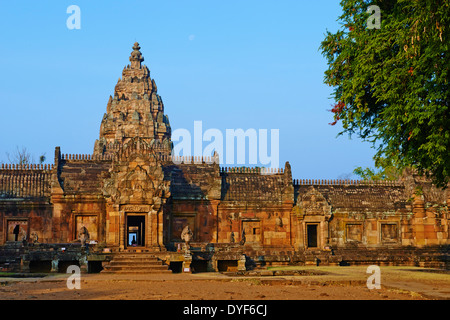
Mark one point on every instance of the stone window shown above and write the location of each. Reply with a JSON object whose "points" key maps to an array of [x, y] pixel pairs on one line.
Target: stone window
{"points": [[17, 230], [252, 231], [91, 224], [354, 232], [389, 232]]}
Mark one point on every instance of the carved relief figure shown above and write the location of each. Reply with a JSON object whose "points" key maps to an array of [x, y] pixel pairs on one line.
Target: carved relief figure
{"points": [[187, 235], [83, 235]]}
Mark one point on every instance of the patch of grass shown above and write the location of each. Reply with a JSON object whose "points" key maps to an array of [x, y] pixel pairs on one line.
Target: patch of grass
{"points": [[252, 281], [407, 292], [7, 274]]}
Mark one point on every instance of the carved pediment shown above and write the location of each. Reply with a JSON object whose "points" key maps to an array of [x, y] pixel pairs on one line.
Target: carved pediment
{"points": [[136, 176], [135, 186], [313, 203]]}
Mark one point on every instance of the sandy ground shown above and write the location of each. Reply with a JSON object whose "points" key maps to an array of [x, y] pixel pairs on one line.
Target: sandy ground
{"points": [[343, 283]]}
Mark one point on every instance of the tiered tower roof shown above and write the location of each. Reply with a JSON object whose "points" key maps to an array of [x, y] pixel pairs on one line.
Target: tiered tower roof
{"points": [[136, 110]]}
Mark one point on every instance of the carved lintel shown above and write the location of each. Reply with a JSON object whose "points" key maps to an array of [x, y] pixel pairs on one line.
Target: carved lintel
{"points": [[136, 208]]}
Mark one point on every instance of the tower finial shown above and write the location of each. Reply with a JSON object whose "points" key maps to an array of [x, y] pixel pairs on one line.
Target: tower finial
{"points": [[136, 57]]}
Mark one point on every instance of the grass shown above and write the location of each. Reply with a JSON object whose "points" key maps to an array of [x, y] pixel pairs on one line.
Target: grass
{"points": [[7, 274], [394, 273], [252, 281]]}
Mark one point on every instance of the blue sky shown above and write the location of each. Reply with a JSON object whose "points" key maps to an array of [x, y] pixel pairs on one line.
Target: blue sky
{"points": [[230, 64]]}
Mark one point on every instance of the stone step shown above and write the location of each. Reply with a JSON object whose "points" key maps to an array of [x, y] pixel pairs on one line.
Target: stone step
{"points": [[136, 271], [137, 258], [122, 267], [138, 261], [158, 269], [137, 251], [133, 262]]}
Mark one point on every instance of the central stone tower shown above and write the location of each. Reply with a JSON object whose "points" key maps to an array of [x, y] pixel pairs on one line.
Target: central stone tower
{"points": [[135, 111], [136, 136]]}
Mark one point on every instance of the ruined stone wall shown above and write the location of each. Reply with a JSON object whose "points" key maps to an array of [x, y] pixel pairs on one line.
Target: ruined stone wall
{"points": [[370, 214], [25, 181], [221, 205], [195, 195], [24, 201], [131, 172], [224, 205], [430, 224], [33, 216], [77, 197], [256, 207]]}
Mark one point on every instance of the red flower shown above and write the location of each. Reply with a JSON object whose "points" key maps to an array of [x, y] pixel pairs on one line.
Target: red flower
{"points": [[337, 109]]}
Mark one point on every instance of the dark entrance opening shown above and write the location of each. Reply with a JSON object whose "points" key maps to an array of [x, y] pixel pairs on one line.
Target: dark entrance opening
{"points": [[312, 235], [95, 266], [176, 266], [199, 266], [41, 266], [227, 265], [135, 231], [63, 265]]}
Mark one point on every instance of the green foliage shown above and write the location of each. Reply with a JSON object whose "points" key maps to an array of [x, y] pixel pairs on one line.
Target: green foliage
{"points": [[42, 158], [386, 171], [391, 84]]}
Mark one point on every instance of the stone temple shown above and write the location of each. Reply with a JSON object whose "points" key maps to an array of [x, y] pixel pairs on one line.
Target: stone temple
{"points": [[134, 199]]}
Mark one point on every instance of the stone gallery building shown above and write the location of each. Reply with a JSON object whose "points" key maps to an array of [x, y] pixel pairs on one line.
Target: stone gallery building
{"points": [[134, 198]]}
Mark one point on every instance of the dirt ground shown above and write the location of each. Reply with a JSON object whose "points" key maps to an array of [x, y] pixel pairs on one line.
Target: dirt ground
{"points": [[338, 283]]}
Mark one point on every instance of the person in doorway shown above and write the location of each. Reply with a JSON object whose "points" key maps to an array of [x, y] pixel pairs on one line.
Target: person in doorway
{"points": [[133, 242], [16, 232]]}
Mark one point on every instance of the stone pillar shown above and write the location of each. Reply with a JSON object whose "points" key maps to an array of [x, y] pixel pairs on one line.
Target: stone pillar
{"points": [[327, 230], [83, 261], [241, 263], [112, 226], [160, 227], [418, 220], [187, 263], [122, 230], [299, 236], [24, 265], [419, 206], [212, 265], [153, 229]]}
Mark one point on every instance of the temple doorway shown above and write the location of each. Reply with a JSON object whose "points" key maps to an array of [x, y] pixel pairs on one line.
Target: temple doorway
{"points": [[135, 236], [311, 230]]}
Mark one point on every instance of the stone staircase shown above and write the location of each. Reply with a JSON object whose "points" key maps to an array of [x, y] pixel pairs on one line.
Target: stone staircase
{"points": [[136, 263]]}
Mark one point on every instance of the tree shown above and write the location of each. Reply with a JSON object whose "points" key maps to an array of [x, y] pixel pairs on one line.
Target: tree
{"points": [[22, 157], [391, 85], [385, 171]]}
